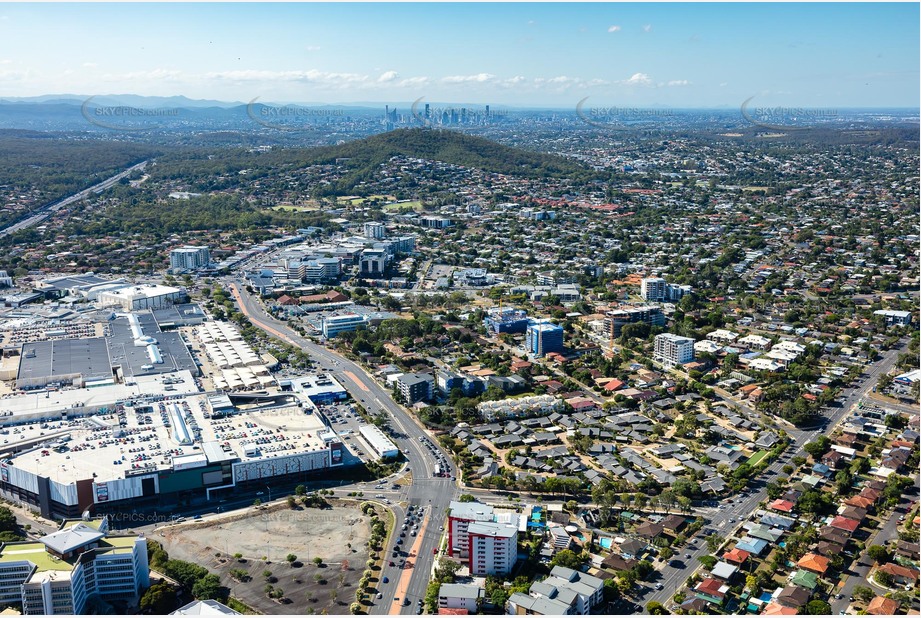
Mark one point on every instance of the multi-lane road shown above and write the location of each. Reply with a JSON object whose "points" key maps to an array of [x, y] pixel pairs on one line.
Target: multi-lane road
{"points": [[46, 211], [433, 493]]}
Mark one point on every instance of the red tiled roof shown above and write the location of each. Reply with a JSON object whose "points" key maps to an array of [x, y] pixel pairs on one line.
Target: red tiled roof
{"points": [[784, 506], [736, 555], [843, 523], [711, 587], [881, 606], [813, 562], [776, 609]]}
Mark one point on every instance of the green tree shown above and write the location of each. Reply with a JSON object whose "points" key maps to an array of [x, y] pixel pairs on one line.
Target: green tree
{"points": [[159, 599], [291, 558], [569, 559], [878, 553], [184, 572], [208, 587], [817, 607], [864, 593], [708, 561], [656, 609]]}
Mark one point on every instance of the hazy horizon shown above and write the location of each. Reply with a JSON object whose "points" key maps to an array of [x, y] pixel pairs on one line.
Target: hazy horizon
{"points": [[550, 56]]}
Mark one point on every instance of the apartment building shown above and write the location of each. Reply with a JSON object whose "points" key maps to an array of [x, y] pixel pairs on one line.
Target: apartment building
{"points": [[566, 592], [615, 321], [416, 387], [189, 258], [671, 349], [483, 538], [375, 230], [657, 289], [493, 547]]}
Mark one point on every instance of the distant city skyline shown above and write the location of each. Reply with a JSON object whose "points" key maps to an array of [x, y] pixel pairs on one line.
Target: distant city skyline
{"points": [[681, 56]]}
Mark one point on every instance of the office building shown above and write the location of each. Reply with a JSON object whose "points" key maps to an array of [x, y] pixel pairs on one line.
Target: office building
{"points": [[506, 320], [336, 324], [373, 262], [375, 230], [671, 349], [321, 269], [543, 338], [58, 574], [189, 258], [617, 319], [415, 387]]}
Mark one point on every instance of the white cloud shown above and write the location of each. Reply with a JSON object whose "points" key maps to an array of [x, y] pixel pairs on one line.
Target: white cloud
{"points": [[5, 61], [639, 79], [678, 82], [387, 76], [312, 48], [614, 29], [647, 28], [90, 65], [479, 78], [413, 81]]}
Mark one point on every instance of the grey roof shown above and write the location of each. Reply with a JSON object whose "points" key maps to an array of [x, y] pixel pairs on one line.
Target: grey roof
{"points": [[75, 537], [461, 591], [44, 360], [542, 605]]}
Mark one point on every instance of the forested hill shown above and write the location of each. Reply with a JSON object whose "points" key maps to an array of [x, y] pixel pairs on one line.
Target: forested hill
{"points": [[448, 147]]}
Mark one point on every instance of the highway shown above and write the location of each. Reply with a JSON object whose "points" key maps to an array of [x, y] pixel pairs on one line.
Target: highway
{"points": [[726, 520], [435, 494], [46, 211]]}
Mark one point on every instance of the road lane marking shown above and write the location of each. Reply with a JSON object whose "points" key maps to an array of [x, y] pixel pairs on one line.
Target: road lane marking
{"points": [[357, 381], [407, 573]]}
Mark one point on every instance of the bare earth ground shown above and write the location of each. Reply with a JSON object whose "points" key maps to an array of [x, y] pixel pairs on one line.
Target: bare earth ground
{"points": [[265, 538]]}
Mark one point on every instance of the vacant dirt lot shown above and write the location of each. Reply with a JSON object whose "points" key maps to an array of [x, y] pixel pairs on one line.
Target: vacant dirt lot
{"points": [[265, 538]]}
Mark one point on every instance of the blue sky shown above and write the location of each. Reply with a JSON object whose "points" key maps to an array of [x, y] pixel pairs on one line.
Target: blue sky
{"points": [[521, 54]]}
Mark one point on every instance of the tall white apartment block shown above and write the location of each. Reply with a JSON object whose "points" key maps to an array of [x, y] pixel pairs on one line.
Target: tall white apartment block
{"points": [[671, 349]]}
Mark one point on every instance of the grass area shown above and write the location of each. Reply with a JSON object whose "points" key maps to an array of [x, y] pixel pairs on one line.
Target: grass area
{"points": [[757, 457], [293, 208], [755, 188], [36, 554], [395, 206]]}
